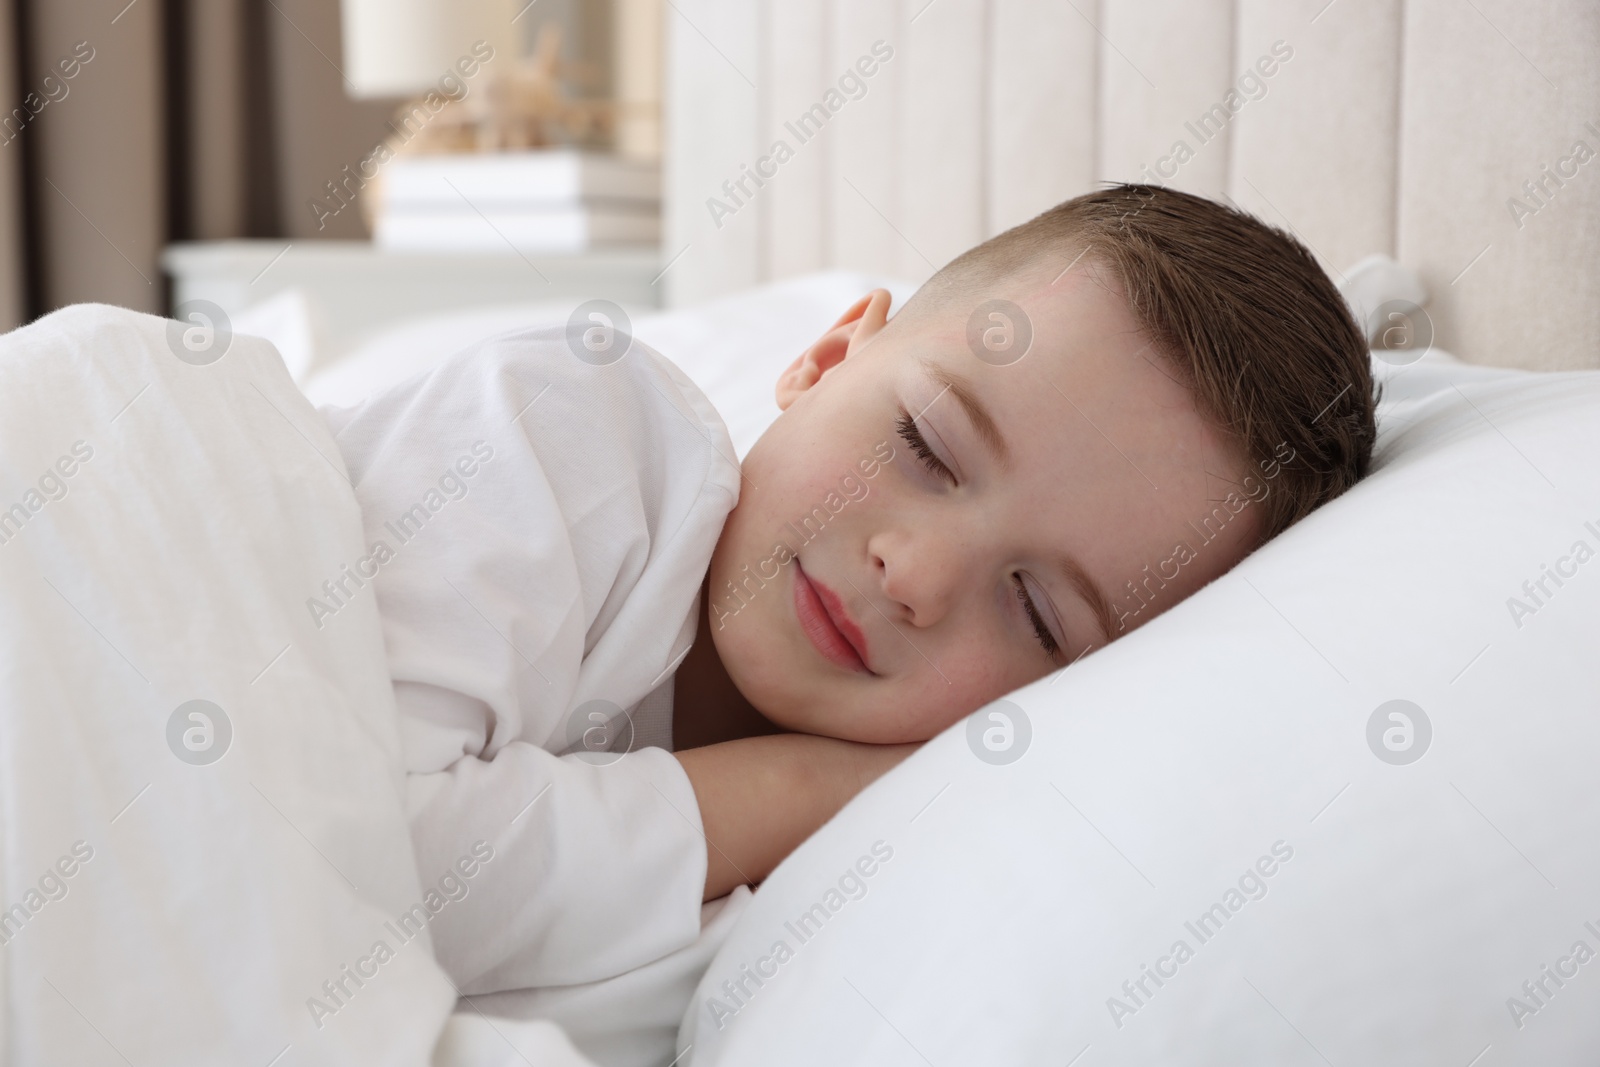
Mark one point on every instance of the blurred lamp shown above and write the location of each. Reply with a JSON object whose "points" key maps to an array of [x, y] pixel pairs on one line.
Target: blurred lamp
{"points": [[402, 47]]}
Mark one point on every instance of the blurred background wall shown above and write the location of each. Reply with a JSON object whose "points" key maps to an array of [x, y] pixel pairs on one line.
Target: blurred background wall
{"points": [[188, 120], [1446, 134]]}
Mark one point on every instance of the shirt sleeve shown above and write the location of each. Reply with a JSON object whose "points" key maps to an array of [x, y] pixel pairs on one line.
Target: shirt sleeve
{"points": [[539, 531], [599, 869]]}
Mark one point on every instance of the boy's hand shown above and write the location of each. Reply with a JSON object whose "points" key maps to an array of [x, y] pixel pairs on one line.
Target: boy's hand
{"points": [[761, 796]]}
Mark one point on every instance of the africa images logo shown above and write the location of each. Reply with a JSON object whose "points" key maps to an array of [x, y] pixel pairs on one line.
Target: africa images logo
{"points": [[1399, 732], [199, 732]]}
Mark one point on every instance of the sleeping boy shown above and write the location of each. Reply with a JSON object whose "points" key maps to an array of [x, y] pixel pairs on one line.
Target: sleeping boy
{"points": [[646, 672]]}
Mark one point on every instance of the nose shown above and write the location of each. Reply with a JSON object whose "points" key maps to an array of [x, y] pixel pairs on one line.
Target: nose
{"points": [[919, 572]]}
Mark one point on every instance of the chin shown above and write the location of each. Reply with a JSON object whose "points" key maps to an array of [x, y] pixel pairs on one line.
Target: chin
{"points": [[766, 689], [750, 665], [846, 727]]}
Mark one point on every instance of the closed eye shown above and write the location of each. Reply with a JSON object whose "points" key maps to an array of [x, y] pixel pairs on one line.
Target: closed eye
{"points": [[912, 433], [1047, 640]]}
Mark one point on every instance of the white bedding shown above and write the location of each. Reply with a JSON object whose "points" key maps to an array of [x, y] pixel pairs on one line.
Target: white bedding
{"points": [[1016, 899], [166, 910]]}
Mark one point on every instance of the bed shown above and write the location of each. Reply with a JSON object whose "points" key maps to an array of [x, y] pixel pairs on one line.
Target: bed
{"points": [[1010, 911], [1356, 791]]}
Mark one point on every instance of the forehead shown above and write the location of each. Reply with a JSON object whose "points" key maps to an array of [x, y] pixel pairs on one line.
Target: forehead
{"points": [[1109, 459], [1089, 367]]}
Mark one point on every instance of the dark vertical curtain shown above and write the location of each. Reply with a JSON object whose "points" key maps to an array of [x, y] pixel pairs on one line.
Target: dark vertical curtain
{"points": [[86, 117], [13, 258], [125, 126]]}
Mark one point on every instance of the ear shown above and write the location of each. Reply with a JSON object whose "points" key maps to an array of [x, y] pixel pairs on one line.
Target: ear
{"points": [[858, 325]]}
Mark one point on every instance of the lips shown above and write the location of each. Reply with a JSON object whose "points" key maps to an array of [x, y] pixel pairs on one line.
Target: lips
{"points": [[823, 617]]}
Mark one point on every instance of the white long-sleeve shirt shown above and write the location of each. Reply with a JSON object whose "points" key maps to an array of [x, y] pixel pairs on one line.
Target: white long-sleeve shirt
{"points": [[539, 530]]}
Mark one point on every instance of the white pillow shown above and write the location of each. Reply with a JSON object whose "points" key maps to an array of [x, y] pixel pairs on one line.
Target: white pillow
{"points": [[733, 348], [413, 346], [1241, 746]]}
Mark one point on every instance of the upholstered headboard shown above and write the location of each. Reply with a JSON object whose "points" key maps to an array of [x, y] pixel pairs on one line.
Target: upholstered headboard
{"points": [[1461, 137]]}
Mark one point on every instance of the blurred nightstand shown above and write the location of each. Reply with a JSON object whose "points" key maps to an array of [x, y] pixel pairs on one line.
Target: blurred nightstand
{"points": [[354, 288]]}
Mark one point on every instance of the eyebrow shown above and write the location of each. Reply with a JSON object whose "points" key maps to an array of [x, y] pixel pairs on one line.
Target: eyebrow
{"points": [[988, 430], [989, 433]]}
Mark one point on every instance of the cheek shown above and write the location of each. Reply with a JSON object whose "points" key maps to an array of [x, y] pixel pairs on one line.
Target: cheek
{"points": [[1012, 661], [972, 671], [804, 494]]}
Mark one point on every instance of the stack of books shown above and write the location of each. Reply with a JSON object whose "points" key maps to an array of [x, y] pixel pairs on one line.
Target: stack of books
{"points": [[548, 201]]}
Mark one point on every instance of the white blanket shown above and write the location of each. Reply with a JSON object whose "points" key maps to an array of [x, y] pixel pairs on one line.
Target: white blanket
{"points": [[162, 523]]}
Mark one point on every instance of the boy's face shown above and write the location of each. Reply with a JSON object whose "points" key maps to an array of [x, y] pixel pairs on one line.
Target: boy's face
{"points": [[879, 595]]}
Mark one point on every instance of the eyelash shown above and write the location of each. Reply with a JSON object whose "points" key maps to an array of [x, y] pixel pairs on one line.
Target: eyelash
{"points": [[1047, 640], [912, 435]]}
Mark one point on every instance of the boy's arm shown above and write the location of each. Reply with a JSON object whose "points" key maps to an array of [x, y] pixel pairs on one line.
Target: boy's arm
{"points": [[760, 797]]}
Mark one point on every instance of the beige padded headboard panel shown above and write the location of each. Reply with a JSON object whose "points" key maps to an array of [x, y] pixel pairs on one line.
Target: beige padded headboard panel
{"points": [[1408, 127]]}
